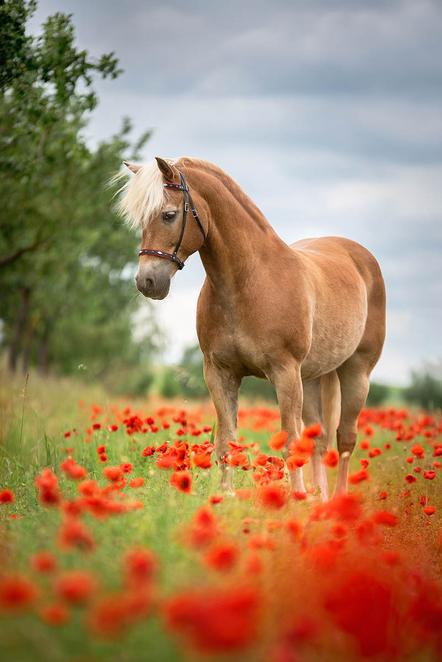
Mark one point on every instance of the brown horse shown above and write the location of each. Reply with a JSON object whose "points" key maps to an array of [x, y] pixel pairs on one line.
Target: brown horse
{"points": [[309, 317]]}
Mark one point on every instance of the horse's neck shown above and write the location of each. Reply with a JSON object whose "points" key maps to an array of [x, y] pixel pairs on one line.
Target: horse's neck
{"points": [[238, 241]]}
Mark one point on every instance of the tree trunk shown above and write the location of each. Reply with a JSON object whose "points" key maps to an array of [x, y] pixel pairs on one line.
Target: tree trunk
{"points": [[27, 349], [43, 351], [19, 330]]}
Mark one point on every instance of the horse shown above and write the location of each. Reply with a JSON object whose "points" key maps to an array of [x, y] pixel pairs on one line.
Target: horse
{"points": [[309, 317]]}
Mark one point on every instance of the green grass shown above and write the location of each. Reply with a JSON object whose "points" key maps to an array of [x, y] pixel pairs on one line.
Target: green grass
{"points": [[35, 414]]}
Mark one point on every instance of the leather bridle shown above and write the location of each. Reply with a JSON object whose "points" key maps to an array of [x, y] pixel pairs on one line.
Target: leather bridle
{"points": [[188, 205]]}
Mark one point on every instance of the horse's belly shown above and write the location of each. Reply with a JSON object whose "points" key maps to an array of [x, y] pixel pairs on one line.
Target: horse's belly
{"points": [[332, 344]]}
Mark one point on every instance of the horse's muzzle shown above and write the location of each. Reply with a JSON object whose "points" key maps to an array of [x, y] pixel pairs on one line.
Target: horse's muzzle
{"points": [[153, 286]]}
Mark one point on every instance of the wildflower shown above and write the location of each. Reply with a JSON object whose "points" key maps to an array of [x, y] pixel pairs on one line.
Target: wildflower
{"points": [[202, 460], [430, 475], [214, 499], [222, 557], [331, 458], [182, 481], [88, 487], [358, 477], [137, 482], [386, 518], [16, 592], [101, 449], [148, 451], [44, 562], [272, 496], [203, 528], [47, 485], [74, 534], [410, 478], [113, 474], [55, 614], [139, 565], [218, 621], [75, 586], [6, 496], [363, 606], [279, 440], [72, 469], [418, 451], [429, 510]]}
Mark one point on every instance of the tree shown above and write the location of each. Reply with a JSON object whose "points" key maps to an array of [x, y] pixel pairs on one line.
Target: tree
{"points": [[66, 260]]}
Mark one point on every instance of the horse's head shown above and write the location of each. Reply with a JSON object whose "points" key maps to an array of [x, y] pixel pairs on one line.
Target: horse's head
{"points": [[157, 200]]}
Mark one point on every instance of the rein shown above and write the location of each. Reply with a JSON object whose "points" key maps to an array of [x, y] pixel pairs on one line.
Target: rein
{"points": [[188, 205]]}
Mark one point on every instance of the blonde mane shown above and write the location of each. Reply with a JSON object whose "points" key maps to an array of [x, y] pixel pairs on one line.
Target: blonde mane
{"points": [[142, 196]]}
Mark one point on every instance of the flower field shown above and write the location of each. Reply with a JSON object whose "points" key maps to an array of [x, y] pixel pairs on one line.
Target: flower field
{"points": [[116, 543]]}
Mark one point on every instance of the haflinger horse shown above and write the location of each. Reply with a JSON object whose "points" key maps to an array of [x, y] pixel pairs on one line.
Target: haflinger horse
{"points": [[309, 317]]}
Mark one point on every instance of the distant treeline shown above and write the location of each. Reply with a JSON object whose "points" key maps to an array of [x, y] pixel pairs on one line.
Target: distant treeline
{"points": [[186, 380]]}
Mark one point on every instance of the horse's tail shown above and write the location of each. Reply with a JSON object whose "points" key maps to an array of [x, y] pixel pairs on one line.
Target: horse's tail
{"points": [[331, 405]]}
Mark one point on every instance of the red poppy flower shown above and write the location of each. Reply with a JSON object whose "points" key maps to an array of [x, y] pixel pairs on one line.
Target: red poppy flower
{"points": [[55, 614], [418, 451], [74, 533], [364, 607], [278, 440], [6, 496], [410, 478], [386, 518], [182, 481], [113, 474], [222, 557], [17, 592], [75, 586], [272, 496], [47, 485], [139, 565], [137, 482], [73, 470], [44, 562], [215, 621], [331, 458], [358, 477], [429, 510]]}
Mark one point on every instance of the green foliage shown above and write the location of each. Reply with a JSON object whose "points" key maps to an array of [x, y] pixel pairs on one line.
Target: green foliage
{"points": [[254, 389], [425, 388], [66, 260], [187, 380], [377, 394]]}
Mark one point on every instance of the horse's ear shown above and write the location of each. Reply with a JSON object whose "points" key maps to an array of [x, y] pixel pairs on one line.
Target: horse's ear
{"points": [[133, 167], [170, 173]]}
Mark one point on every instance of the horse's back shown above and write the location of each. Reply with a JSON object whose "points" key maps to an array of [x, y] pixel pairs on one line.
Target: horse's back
{"points": [[329, 251]]}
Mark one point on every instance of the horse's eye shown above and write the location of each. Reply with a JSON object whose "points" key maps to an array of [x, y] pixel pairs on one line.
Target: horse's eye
{"points": [[169, 215]]}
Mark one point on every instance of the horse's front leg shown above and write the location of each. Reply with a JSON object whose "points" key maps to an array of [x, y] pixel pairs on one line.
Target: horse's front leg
{"points": [[223, 388], [288, 385]]}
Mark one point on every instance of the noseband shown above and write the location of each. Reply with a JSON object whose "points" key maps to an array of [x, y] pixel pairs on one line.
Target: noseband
{"points": [[188, 205]]}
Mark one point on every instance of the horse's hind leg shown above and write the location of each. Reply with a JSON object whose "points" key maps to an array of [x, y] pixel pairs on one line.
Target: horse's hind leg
{"points": [[353, 377], [311, 414]]}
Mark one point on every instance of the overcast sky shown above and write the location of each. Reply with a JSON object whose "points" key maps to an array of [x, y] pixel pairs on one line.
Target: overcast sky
{"points": [[327, 112]]}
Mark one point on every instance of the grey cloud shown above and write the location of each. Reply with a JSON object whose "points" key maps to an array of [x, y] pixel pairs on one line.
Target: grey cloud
{"points": [[327, 112]]}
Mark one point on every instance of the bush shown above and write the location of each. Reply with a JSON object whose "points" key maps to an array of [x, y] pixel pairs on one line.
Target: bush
{"points": [[377, 394], [425, 389]]}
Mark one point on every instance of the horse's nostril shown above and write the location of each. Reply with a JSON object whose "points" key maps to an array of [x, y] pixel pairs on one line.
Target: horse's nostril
{"points": [[148, 283]]}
